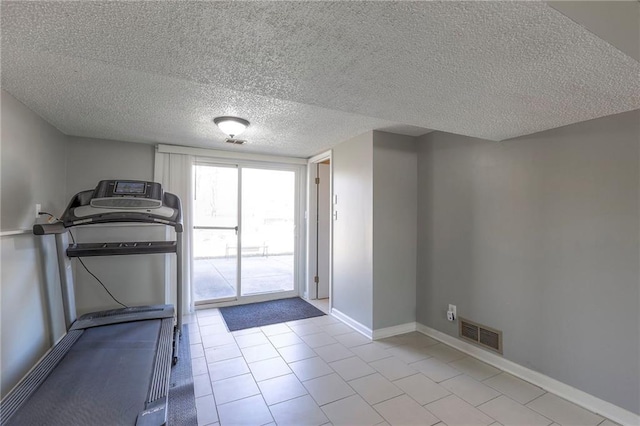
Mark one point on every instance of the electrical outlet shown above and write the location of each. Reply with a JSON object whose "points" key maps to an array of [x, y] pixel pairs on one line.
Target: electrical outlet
{"points": [[452, 313], [38, 210]]}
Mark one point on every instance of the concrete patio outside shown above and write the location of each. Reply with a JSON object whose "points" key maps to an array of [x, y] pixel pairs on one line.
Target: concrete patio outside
{"points": [[215, 277]]}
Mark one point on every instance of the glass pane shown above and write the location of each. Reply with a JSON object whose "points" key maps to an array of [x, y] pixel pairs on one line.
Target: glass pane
{"points": [[268, 225], [215, 263], [215, 196]]}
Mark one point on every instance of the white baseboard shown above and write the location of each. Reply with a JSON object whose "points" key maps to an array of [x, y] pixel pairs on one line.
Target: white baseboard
{"points": [[382, 333], [360, 328], [578, 397]]}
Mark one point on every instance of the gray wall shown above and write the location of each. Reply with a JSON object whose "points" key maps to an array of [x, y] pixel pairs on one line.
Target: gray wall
{"points": [[353, 230], [32, 171], [539, 237], [395, 209], [134, 280]]}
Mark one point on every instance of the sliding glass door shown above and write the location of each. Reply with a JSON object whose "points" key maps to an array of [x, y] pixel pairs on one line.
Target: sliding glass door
{"points": [[244, 239]]}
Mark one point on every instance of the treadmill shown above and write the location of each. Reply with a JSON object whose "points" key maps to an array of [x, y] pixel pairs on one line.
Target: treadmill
{"points": [[112, 367]]}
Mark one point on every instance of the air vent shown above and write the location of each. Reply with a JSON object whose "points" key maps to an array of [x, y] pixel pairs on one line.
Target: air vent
{"points": [[479, 334], [235, 141]]}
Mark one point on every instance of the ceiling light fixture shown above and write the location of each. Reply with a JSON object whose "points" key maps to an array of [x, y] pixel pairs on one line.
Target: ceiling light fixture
{"points": [[232, 126]]}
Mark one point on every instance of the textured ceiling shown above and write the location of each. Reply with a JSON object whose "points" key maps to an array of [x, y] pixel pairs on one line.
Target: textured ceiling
{"points": [[308, 75]]}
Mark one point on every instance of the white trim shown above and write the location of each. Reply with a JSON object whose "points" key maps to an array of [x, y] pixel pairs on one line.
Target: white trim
{"points": [[310, 230], [360, 328], [320, 157], [232, 301], [578, 397], [15, 232], [239, 156], [382, 333]]}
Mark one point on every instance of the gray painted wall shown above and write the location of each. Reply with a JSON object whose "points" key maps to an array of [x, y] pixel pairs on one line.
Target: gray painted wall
{"points": [[134, 280], [539, 237], [32, 171], [353, 230], [395, 209]]}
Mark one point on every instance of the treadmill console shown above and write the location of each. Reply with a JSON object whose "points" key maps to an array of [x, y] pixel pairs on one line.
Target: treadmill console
{"points": [[127, 194]]}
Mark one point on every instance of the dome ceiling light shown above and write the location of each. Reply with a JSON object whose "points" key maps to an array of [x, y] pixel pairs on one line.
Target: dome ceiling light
{"points": [[232, 126]]}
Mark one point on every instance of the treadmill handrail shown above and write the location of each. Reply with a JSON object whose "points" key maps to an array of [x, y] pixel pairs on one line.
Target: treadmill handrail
{"points": [[83, 199]]}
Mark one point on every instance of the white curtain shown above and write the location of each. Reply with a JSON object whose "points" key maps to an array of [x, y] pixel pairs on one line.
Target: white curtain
{"points": [[174, 172]]}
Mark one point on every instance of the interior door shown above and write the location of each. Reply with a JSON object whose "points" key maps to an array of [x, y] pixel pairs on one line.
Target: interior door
{"points": [[215, 233]]}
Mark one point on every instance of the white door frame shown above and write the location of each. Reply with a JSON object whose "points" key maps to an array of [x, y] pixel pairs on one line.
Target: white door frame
{"points": [[309, 288], [300, 255]]}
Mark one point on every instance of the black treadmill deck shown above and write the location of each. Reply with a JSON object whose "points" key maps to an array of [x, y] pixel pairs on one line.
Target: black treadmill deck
{"points": [[105, 378]]}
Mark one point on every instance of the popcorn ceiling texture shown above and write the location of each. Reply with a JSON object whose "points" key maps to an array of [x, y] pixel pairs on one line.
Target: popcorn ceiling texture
{"points": [[308, 75]]}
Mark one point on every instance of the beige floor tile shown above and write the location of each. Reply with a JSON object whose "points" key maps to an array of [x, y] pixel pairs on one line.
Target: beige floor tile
{"points": [[296, 352], [228, 368], [221, 353], [274, 329], [234, 388], [317, 340], [206, 410], [324, 320], [199, 366], [280, 389], [351, 411], [327, 389], [509, 412], [371, 352], [563, 411], [420, 388], [197, 351], [259, 353], [388, 342], [246, 331], [305, 329], [375, 388], [403, 410], [352, 339], [207, 312], [217, 340], [454, 411], [302, 411], [607, 422], [409, 354], [253, 339], [209, 330], [514, 388], [310, 368], [471, 390], [444, 353], [210, 320], [351, 368], [269, 368], [337, 329], [416, 339], [285, 339], [436, 370], [248, 411], [333, 352], [201, 385], [474, 368], [393, 368]]}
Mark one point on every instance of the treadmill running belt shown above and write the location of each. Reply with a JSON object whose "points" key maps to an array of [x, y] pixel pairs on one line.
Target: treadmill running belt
{"points": [[100, 377]]}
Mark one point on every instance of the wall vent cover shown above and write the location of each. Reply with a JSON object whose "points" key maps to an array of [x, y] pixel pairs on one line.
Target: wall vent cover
{"points": [[235, 141], [481, 335]]}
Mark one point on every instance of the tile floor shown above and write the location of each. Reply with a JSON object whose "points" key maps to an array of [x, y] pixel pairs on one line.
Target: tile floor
{"points": [[318, 371]]}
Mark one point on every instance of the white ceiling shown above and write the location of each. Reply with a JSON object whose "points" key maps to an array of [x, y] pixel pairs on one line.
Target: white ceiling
{"points": [[308, 75]]}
